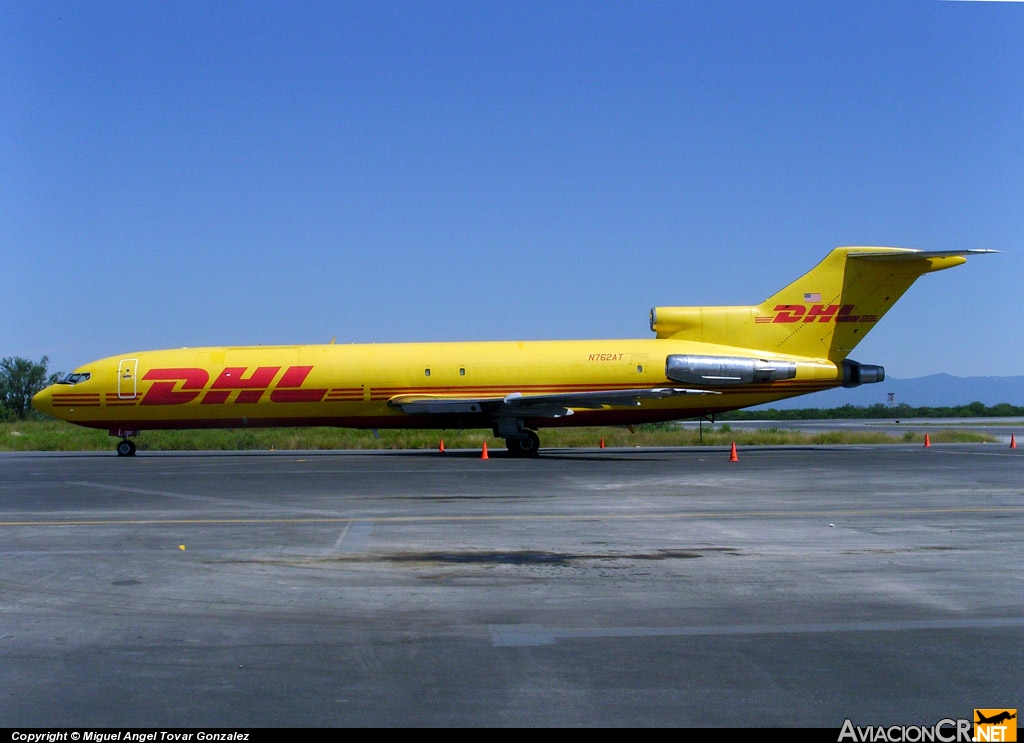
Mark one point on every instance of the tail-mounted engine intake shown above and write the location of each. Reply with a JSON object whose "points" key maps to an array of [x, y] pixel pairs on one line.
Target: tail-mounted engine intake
{"points": [[854, 374], [725, 370]]}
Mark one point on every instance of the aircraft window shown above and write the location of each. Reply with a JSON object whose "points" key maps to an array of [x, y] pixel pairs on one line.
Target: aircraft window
{"points": [[639, 369], [74, 378], [462, 371], [426, 372]]}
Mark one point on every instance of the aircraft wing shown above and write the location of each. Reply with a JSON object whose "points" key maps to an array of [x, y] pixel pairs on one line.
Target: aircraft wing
{"points": [[554, 405]]}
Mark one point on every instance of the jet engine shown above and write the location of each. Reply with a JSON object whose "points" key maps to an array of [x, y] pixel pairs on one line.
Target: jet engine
{"points": [[725, 370], [854, 374]]}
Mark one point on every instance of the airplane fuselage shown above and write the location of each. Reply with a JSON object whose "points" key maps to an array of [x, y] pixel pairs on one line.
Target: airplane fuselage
{"points": [[353, 385]]}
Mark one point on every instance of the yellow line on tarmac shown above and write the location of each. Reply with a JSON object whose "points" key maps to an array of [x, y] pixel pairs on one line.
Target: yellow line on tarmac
{"points": [[513, 517]]}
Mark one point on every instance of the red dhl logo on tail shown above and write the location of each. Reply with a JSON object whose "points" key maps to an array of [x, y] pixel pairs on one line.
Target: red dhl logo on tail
{"points": [[180, 385], [816, 312]]}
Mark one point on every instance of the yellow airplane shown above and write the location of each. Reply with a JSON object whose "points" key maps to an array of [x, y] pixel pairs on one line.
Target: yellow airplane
{"points": [[703, 360]]}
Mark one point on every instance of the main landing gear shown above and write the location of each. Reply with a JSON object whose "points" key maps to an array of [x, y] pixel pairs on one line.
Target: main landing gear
{"points": [[521, 441], [525, 444], [125, 448]]}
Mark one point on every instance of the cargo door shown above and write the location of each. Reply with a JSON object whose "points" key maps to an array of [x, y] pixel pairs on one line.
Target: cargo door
{"points": [[127, 389]]}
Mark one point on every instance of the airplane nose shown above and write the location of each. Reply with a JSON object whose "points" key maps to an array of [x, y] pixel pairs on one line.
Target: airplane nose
{"points": [[43, 401]]}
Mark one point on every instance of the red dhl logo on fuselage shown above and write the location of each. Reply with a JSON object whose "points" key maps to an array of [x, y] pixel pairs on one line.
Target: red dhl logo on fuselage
{"points": [[180, 385], [816, 312]]}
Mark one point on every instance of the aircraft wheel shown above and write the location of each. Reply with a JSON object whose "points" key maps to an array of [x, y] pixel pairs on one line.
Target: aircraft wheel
{"points": [[126, 448], [526, 444]]}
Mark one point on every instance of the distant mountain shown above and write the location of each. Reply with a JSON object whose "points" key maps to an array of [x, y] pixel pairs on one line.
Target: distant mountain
{"points": [[936, 390]]}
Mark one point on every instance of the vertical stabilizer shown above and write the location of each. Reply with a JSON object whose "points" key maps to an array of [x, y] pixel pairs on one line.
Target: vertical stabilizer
{"points": [[823, 314]]}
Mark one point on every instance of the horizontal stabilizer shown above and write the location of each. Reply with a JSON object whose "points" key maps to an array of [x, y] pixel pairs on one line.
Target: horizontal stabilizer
{"points": [[916, 255]]}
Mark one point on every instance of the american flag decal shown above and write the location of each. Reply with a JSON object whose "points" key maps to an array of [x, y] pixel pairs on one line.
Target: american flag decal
{"points": [[815, 297]]}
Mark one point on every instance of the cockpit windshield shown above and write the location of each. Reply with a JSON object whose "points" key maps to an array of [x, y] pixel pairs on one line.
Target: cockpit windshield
{"points": [[74, 378]]}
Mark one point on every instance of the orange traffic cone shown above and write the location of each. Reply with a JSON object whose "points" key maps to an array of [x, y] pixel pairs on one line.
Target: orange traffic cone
{"points": [[441, 447], [602, 443], [1013, 441], [483, 454], [732, 454], [927, 441]]}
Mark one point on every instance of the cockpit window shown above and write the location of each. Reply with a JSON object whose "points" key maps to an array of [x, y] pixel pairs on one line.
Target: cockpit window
{"points": [[74, 378]]}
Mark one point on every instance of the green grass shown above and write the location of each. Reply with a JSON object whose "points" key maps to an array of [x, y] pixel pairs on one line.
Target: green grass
{"points": [[54, 435]]}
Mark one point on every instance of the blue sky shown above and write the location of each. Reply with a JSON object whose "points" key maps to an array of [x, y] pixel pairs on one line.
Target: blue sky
{"points": [[222, 173]]}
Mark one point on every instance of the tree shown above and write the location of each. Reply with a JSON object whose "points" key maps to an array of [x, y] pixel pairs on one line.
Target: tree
{"points": [[19, 380]]}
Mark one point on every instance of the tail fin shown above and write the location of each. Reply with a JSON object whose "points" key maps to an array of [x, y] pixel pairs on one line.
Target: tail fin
{"points": [[823, 314]]}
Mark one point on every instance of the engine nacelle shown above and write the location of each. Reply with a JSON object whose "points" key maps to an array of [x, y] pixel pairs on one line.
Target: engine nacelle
{"points": [[700, 323], [725, 370], [854, 374]]}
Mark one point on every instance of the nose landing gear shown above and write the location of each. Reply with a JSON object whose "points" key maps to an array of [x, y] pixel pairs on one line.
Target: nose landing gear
{"points": [[125, 448]]}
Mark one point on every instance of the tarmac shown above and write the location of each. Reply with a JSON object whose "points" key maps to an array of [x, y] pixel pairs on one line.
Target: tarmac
{"points": [[797, 586], [1004, 430]]}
